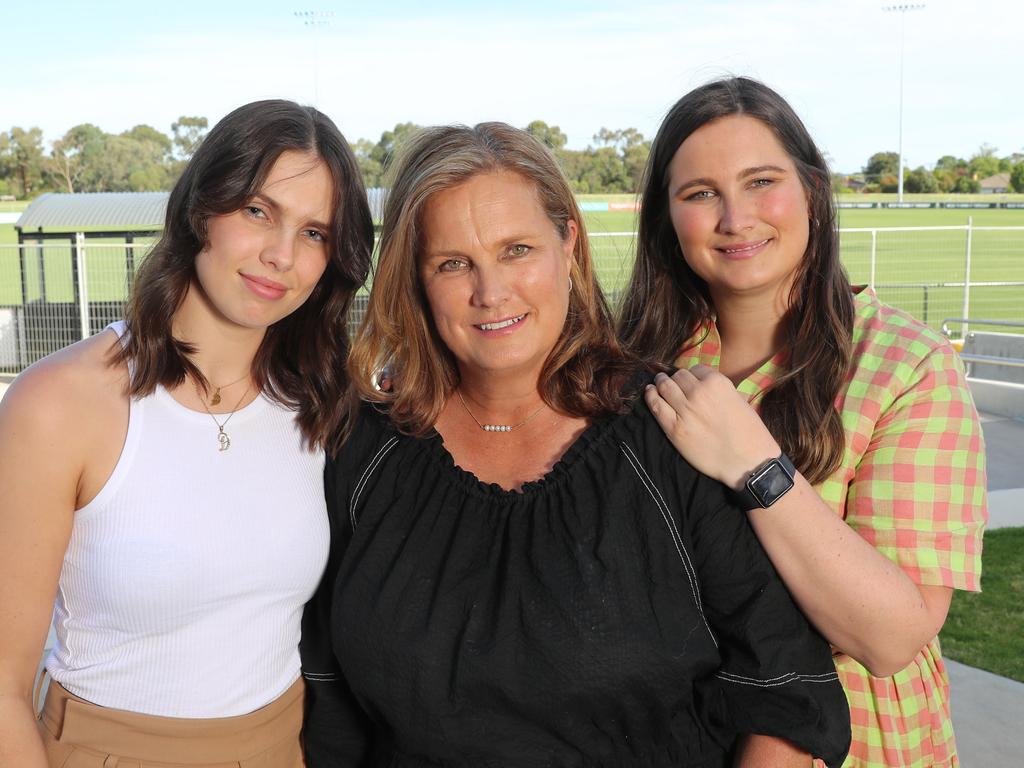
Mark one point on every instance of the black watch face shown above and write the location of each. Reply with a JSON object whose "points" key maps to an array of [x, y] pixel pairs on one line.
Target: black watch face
{"points": [[770, 483]]}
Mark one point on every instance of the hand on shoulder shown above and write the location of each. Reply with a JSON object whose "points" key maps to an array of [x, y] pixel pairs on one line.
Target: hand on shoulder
{"points": [[711, 424]]}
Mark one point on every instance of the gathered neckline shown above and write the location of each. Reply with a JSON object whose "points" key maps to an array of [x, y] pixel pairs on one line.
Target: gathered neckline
{"points": [[585, 442]]}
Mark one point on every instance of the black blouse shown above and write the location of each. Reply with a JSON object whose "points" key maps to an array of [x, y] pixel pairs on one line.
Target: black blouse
{"points": [[616, 612]]}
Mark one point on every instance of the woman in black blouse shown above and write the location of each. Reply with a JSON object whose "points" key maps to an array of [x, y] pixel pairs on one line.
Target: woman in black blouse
{"points": [[523, 570]]}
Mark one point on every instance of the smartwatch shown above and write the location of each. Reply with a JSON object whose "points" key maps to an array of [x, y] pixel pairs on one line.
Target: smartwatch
{"points": [[766, 484]]}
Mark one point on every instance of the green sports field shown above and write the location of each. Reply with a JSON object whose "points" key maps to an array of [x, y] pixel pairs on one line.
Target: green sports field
{"points": [[913, 270]]}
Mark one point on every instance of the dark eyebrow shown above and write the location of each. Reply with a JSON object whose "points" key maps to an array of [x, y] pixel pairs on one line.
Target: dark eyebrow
{"points": [[741, 175], [692, 183], [274, 206], [761, 169]]}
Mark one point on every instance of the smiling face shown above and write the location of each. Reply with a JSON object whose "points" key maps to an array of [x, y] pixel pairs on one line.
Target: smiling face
{"points": [[495, 272], [739, 209], [263, 261]]}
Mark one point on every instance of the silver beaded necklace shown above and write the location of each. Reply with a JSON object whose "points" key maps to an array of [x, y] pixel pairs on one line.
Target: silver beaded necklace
{"points": [[497, 427]]}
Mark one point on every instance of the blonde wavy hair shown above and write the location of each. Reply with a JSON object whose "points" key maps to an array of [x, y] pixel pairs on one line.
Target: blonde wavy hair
{"points": [[583, 374]]}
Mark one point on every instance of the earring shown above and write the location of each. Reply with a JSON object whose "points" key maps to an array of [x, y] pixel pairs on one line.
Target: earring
{"points": [[570, 285]]}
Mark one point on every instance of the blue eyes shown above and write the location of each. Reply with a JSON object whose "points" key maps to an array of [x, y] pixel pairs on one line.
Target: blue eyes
{"points": [[256, 212], [707, 194], [457, 265], [450, 265]]}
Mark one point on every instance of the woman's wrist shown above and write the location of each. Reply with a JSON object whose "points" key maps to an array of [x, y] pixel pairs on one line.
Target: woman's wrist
{"points": [[751, 460]]}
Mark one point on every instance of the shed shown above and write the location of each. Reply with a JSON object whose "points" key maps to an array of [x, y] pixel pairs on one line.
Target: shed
{"points": [[54, 233], [116, 214], [999, 184], [65, 296], [81, 217]]}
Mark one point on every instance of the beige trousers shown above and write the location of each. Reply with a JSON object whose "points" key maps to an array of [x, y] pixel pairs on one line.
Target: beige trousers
{"points": [[78, 734]]}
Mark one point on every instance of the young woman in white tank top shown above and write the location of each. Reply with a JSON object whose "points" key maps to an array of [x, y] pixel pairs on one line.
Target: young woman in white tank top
{"points": [[162, 481]]}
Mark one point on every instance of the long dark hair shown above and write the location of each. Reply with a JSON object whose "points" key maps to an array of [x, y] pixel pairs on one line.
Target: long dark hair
{"points": [[584, 373], [301, 360], [667, 303]]}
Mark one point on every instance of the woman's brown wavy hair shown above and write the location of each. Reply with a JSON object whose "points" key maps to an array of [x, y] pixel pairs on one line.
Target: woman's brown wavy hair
{"points": [[582, 376], [301, 361], [667, 303]]}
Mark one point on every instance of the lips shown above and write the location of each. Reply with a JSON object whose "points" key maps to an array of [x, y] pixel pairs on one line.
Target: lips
{"points": [[499, 325], [264, 287], [741, 250]]}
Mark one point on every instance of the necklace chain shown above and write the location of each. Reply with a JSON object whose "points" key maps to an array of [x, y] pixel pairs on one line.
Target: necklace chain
{"points": [[496, 427], [222, 436], [215, 400]]}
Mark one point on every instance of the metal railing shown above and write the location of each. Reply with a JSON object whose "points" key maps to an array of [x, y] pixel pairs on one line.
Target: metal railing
{"points": [[52, 294], [968, 267], [963, 321], [972, 358]]}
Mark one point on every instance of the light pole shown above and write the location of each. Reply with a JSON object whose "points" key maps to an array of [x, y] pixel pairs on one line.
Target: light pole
{"points": [[314, 20], [902, 9]]}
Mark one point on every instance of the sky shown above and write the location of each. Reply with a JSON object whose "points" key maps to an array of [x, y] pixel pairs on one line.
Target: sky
{"points": [[578, 65]]}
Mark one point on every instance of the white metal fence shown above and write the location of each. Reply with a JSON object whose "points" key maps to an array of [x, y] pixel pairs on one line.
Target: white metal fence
{"points": [[55, 293], [933, 273]]}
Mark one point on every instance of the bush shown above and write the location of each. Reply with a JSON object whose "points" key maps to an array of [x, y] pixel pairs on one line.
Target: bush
{"points": [[967, 185], [1017, 177]]}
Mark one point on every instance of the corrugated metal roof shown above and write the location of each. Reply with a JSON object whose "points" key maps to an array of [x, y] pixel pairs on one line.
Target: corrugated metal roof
{"points": [[112, 210], [119, 210]]}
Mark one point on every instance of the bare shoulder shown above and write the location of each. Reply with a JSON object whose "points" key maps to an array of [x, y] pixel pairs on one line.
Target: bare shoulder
{"points": [[68, 385]]}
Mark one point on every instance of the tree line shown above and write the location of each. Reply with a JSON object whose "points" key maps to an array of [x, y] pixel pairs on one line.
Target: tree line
{"points": [[87, 159], [143, 159], [950, 173]]}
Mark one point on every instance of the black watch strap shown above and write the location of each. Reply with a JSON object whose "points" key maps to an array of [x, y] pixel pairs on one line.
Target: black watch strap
{"points": [[766, 484]]}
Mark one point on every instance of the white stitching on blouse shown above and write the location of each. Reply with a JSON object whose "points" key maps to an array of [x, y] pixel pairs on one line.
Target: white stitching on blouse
{"points": [[673, 532], [772, 682], [378, 457], [320, 676]]}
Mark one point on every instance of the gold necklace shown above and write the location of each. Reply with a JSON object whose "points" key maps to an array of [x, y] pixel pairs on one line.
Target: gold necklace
{"points": [[497, 427], [215, 400], [222, 436]]}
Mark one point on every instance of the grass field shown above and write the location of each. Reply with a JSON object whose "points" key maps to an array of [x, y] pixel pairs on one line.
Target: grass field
{"points": [[911, 268]]}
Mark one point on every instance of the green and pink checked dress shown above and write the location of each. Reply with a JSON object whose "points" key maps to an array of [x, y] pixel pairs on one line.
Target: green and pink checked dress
{"points": [[912, 482]]}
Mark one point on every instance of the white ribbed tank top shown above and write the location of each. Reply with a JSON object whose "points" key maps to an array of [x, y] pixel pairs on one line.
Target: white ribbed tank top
{"points": [[182, 588]]}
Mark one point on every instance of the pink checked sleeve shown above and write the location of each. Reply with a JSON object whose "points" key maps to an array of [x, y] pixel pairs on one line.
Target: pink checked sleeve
{"points": [[918, 493]]}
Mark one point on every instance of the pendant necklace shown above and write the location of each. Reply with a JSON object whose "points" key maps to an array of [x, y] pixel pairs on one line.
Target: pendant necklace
{"points": [[215, 400], [222, 436], [497, 427]]}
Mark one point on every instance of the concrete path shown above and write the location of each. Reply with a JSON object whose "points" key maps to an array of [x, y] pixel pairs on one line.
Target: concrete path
{"points": [[988, 713]]}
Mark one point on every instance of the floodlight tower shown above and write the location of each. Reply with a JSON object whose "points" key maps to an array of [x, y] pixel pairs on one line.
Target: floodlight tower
{"points": [[902, 9], [315, 20]]}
